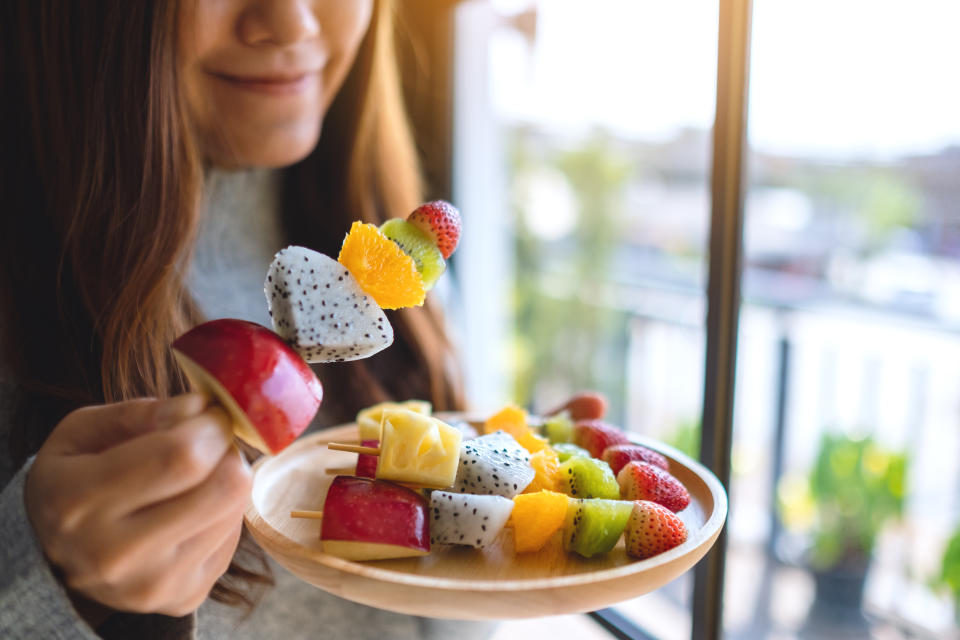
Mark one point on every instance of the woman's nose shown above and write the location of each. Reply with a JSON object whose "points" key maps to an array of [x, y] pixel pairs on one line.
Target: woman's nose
{"points": [[278, 22]]}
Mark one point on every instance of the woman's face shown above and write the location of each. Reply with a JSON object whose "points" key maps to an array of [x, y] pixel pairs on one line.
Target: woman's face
{"points": [[259, 75]]}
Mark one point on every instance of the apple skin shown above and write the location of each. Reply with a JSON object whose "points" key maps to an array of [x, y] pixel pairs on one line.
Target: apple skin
{"points": [[376, 512], [367, 464], [271, 384]]}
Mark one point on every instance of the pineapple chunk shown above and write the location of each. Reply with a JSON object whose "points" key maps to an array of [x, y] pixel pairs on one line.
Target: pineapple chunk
{"points": [[417, 449], [368, 420]]}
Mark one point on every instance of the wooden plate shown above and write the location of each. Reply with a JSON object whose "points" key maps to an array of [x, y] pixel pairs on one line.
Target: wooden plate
{"points": [[463, 583]]}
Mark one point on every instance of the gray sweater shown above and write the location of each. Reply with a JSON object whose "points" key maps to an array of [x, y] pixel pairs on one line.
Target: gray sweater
{"points": [[238, 238]]}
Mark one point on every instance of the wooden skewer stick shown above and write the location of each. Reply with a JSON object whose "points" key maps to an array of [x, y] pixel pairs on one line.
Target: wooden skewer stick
{"points": [[340, 471], [354, 448], [306, 513]]}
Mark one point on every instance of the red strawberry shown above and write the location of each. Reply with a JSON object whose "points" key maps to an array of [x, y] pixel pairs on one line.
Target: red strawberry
{"points": [[367, 464], [596, 435], [618, 455], [586, 405], [642, 481], [652, 529], [441, 221]]}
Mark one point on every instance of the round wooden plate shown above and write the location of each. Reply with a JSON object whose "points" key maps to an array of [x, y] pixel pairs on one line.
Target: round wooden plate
{"points": [[464, 583]]}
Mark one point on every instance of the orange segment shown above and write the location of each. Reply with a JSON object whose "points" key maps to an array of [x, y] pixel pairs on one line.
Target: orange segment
{"points": [[536, 517], [547, 465], [513, 420], [383, 270]]}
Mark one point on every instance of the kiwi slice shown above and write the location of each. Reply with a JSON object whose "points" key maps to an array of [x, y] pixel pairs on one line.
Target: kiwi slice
{"points": [[558, 428], [589, 478], [418, 245], [567, 450], [594, 526]]}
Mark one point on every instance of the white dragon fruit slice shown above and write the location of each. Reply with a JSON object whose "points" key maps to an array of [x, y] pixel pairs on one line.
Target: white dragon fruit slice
{"points": [[494, 464], [321, 310], [464, 519]]}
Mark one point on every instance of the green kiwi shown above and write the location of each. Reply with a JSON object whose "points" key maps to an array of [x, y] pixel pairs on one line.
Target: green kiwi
{"points": [[589, 478], [594, 526], [558, 428], [418, 245], [567, 450]]}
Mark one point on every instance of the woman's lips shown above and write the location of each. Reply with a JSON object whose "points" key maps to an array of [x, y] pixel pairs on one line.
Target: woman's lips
{"points": [[278, 85]]}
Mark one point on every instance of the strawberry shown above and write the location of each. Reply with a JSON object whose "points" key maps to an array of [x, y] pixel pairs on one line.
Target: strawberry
{"points": [[586, 405], [596, 435], [618, 455], [652, 529], [643, 481], [440, 220]]}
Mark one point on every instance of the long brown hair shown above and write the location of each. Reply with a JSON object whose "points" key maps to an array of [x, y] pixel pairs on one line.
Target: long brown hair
{"points": [[100, 189]]}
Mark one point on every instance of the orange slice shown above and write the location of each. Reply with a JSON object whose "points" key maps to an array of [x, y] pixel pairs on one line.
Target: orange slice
{"points": [[513, 420], [547, 466], [382, 268], [535, 518]]}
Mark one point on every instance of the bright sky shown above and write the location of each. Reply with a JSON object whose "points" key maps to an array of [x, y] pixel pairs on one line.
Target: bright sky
{"points": [[836, 78]]}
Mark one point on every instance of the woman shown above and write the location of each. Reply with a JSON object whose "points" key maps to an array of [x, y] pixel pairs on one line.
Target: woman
{"points": [[140, 189]]}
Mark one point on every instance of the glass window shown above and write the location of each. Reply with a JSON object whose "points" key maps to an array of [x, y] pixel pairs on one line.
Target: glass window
{"points": [[845, 485], [581, 161]]}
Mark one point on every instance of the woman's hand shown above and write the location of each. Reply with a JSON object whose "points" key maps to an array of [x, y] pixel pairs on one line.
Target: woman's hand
{"points": [[140, 504]]}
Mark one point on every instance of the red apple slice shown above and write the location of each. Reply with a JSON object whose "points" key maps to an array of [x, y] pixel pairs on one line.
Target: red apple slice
{"points": [[269, 391], [366, 519]]}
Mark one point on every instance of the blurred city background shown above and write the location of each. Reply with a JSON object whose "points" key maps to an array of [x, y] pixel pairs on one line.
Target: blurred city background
{"points": [[581, 161]]}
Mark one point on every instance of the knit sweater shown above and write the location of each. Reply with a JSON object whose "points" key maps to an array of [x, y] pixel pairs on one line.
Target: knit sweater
{"points": [[239, 235]]}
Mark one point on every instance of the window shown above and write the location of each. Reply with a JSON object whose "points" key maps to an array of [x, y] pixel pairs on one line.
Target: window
{"points": [[582, 154]]}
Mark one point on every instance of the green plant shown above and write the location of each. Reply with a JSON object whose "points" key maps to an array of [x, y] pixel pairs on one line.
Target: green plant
{"points": [[686, 437], [949, 577], [854, 488]]}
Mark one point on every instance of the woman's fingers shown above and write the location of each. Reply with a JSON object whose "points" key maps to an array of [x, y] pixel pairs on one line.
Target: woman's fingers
{"points": [[95, 429], [223, 494], [163, 464]]}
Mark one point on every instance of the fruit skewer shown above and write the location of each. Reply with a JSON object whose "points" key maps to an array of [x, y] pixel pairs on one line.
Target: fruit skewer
{"points": [[414, 449]]}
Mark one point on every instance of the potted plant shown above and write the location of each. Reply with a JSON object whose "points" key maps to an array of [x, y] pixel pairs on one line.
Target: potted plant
{"points": [[853, 489]]}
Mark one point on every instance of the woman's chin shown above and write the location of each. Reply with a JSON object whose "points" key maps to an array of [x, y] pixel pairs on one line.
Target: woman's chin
{"points": [[269, 152]]}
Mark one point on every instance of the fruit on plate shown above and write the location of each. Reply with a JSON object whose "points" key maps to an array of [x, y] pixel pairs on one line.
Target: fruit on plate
{"points": [[493, 464], [643, 481], [270, 393], [383, 270], [366, 463], [596, 435], [366, 519], [465, 519], [536, 517], [513, 420], [593, 527], [588, 478], [558, 428], [320, 309], [368, 420], [619, 455], [586, 405], [419, 246], [441, 222], [652, 529], [546, 466], [567, 450], [417, 449]]}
